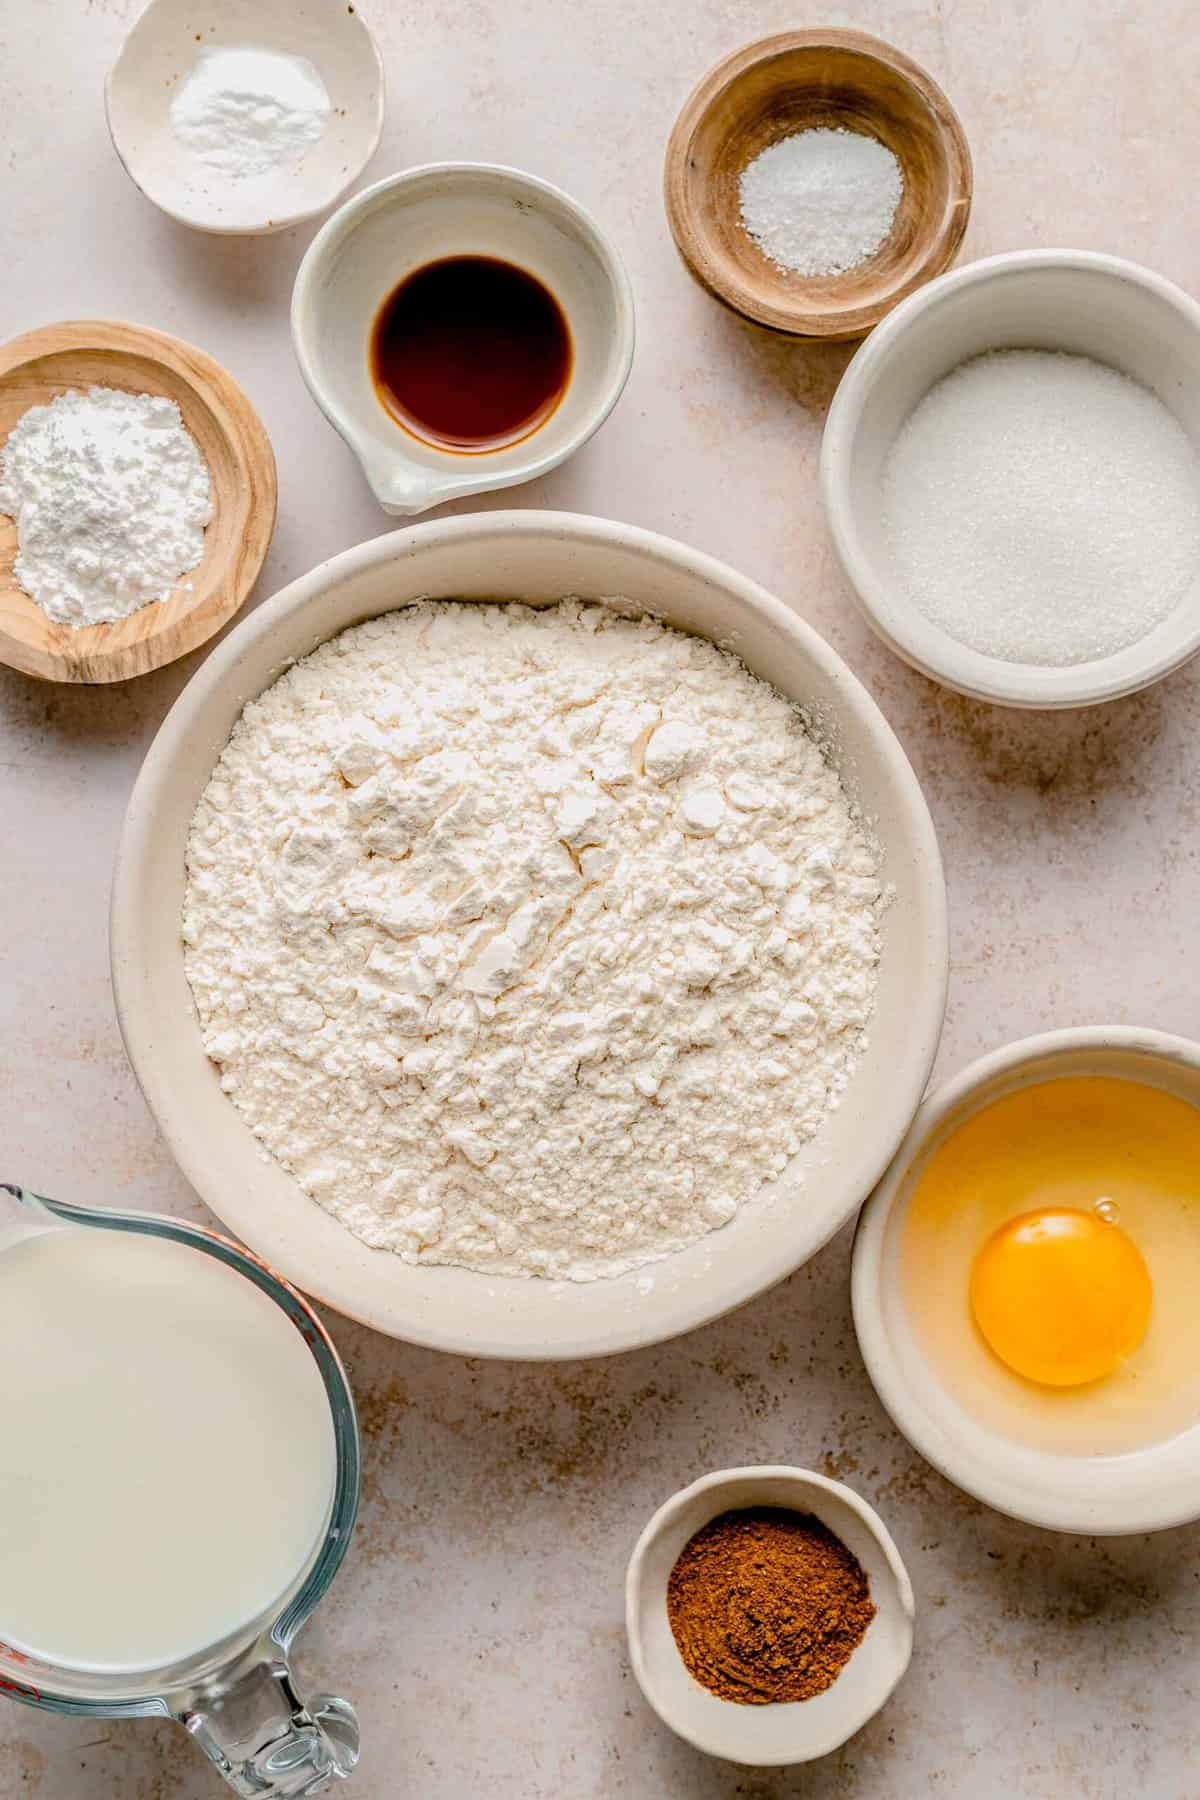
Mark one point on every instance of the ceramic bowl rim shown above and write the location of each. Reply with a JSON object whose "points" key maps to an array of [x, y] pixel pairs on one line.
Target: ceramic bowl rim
{"points": [[279, 220], [893, 618], [805, 1481], [342, 223], [1022, 1500]]}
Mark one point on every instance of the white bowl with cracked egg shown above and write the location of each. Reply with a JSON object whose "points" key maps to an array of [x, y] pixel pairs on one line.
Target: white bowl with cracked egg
{"points": [[536, 557]]}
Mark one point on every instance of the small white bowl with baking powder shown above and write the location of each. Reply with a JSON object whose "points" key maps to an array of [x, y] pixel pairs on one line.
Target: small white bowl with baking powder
{"points": [[161, 52], [1100, 307], [796, 1731]]}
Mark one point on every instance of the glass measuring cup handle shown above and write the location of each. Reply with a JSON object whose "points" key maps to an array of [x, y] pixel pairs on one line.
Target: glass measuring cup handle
{"points": [[265, 1740]]}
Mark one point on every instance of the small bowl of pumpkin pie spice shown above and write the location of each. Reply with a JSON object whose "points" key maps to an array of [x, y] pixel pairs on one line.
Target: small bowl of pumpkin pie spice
{"points": [[769, 1614]]}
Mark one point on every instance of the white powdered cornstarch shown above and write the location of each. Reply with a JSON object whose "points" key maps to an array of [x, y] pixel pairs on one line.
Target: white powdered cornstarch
{"points": [[110, 495], [247, 111], [532, 941], [821, 201], [1043, 508]]}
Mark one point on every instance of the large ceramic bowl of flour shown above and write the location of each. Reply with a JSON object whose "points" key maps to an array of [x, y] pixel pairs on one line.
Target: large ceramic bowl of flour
{"points": [[537, 558]]}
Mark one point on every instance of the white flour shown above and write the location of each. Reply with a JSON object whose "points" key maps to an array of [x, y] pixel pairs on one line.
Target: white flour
{"points": [[530, 941], [247, 111], [110, 495]]}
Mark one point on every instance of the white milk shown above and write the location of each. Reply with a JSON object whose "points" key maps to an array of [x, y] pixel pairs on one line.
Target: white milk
{"points": [[167, 1454]]}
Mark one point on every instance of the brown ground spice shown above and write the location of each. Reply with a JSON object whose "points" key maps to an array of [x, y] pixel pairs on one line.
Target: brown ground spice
{"points": [[767, 1605]]}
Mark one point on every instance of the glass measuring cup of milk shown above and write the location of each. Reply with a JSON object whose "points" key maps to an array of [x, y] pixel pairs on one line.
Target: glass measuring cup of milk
{"points": [[180, 1466]]}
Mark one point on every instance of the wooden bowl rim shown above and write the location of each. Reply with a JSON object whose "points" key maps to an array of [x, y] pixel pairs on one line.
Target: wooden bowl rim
{"points": [[691, 239], [251, 450]]}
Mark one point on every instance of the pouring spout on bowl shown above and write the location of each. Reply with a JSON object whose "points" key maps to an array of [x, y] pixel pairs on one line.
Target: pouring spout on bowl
{"points": [[390, 231], [402, 487]]}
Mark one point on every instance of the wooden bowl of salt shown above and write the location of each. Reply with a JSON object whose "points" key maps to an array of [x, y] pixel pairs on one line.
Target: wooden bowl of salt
{"points": [[765, 96], [40, 365]]}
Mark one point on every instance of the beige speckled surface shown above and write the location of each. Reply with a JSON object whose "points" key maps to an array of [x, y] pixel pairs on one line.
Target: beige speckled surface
{"points": [[478, 1623]]}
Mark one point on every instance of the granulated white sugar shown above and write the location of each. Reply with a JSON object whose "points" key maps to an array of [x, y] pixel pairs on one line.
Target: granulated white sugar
{"points": [[1043, 508], [821, 202]]}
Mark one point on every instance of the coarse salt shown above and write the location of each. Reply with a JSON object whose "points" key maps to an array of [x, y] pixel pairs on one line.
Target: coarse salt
{"points": [[822, 201], [1043, 508]]}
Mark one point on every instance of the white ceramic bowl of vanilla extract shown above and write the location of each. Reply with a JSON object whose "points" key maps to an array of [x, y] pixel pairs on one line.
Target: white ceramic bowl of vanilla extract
{"points": [[465, 327]]}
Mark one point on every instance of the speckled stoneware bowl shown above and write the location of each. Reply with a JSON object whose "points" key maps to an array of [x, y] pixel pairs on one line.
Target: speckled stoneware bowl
{"points": [[156, 58], [783, 1733], [537, 557]]}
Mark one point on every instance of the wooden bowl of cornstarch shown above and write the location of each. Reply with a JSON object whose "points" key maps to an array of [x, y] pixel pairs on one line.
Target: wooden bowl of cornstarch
{"points": [[815, 178], [92, 503]]}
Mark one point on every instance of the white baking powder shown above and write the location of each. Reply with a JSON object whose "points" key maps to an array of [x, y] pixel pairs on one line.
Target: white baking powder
{"points": [[110, 495], [822, 201], [534, 941], [249, 112], [1043, 508]]}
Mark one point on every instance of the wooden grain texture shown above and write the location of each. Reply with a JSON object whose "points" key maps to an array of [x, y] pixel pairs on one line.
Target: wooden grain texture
{"points": [[42, 364], [793, 82]]}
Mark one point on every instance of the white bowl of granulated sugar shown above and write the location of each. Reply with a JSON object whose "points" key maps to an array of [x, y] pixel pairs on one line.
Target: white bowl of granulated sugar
{"points": [[1011, 471], [246, 116]]}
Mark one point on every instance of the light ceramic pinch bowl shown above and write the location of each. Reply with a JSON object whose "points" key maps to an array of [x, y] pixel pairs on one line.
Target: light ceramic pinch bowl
{"points": [[1140, 1490], [536, 557], [39, 366], [1074, 300], [798, 81], [400, 224], [156, 59], [798, 1731]]}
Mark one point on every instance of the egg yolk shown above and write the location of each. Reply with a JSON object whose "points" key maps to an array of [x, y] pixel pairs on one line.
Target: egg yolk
{"points": [[1061, 1296]]}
